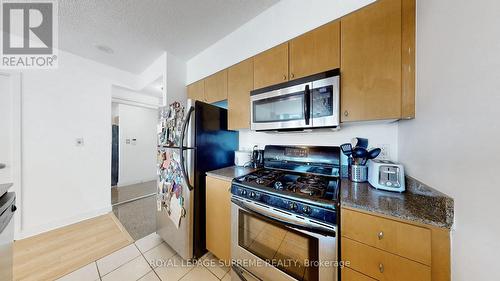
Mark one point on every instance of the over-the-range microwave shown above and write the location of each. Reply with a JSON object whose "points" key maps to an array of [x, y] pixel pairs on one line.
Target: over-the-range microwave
{"points": [[304, 103]]}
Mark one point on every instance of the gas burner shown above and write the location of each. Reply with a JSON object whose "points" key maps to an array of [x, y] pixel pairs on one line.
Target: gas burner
{"points": [[311, 190], [278, 185], [260, 181], [249, 178], [310, 180]]}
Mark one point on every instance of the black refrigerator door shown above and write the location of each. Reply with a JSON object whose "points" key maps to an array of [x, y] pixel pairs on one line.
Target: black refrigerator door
{"points": [[215, 146]]}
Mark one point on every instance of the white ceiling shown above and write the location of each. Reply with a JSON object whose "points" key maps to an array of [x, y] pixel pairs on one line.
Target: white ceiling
{"points": [[139, 31]]}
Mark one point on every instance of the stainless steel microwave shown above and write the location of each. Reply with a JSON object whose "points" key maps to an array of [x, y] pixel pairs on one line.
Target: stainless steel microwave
{"points": [[304, 103]]}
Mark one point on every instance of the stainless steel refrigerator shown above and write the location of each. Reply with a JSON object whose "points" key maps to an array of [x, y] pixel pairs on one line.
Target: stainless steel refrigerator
{"points": [[192, 141]]}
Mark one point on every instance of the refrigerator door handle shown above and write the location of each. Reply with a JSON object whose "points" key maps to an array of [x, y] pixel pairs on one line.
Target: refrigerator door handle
{"points": [[182, 148]]}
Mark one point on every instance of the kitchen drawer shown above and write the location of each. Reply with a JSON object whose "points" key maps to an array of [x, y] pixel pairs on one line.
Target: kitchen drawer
{"points": [[351, 275], [409, 241], [382, 265]]}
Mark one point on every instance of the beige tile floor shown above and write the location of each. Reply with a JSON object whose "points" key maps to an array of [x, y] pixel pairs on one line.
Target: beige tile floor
{"points": [[149, 259]]}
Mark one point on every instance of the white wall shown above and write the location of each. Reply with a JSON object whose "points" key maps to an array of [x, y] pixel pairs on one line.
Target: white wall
{"points": [[281, 22], [6, 122], [137, 161], [63, 183], [175, 80], [133, 97], [453, 144], [378, 133]]}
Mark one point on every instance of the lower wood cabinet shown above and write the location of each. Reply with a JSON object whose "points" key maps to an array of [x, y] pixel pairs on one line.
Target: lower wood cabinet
{"points": [[403, 239], [351, 275], [382, 265], [386, 248], [218, 218]]}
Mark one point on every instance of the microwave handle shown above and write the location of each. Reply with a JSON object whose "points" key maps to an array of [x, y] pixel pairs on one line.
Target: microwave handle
{"points": [[307, 105]]}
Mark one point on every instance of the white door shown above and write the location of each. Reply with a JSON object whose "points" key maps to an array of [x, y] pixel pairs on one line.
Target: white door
{"points": [[10, 134]]}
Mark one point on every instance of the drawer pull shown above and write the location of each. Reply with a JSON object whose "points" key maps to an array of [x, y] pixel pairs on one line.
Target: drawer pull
{"points": [[381, 268], [380, 235]]}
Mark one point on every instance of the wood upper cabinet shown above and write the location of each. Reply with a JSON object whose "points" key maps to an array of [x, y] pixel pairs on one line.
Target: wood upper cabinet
{"points": [[271, 66], [239, 85], [408, 60], [315, 51], [196, 90], [371, 62], [218, 218], [216, 87]]}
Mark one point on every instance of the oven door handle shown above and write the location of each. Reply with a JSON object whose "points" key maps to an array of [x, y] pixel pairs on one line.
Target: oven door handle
{"points": [[267, 214], [241, 273]]}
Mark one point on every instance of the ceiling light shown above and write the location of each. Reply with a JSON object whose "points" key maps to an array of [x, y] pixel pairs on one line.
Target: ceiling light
{"points": [[104, 49]]}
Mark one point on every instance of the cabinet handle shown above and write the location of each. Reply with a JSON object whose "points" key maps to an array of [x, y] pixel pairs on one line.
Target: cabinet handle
{"points": [[292, 75], [284, 77], [346, 113], [380, 235], [381, 268]]}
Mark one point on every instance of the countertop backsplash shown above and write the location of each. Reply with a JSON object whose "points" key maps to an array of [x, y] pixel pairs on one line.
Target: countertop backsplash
{"points": [[381, 133]]}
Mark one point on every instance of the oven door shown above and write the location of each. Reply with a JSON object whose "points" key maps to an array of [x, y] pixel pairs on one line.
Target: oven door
{"points": [[325, 102], [287, 108], [270, 244]]}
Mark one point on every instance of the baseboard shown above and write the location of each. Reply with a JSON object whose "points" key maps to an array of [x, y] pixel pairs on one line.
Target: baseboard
{"points": [[25, 233]]}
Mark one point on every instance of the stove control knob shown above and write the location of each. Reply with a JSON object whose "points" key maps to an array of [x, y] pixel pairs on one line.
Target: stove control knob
{"points": [[244, 192], [292, 206], [306, 209], [252, 194]]}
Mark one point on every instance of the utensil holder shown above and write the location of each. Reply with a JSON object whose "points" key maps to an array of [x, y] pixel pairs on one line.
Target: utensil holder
{"points": [[359, 173]]}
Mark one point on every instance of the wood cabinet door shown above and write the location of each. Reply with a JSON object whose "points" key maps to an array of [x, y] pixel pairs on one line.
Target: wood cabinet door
{"points": [[382, 265], [315, 51], [271, 66], [408, 59], [216, 87], [239, 85], [410, 241], [371, 62], [218, 218], [196, 90], [351, 275]]}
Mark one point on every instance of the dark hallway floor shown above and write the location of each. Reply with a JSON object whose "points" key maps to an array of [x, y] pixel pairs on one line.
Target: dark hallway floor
{"points": [[135, 207]]}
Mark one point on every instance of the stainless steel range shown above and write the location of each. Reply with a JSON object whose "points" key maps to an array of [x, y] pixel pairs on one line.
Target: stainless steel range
{"points": [[284, 216]]}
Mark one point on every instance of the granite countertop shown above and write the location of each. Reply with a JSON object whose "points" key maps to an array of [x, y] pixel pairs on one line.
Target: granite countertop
{"points": [[419, 203], [229, 173]]}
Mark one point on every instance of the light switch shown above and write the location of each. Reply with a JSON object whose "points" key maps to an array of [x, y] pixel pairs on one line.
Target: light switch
{"points": [[79, 142]]}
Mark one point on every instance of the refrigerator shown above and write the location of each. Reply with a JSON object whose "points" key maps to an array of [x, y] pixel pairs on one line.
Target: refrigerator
{"points": [[191, 141]]}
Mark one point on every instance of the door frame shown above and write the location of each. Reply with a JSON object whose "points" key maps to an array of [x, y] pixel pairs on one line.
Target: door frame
{"points": [[15, 79]]}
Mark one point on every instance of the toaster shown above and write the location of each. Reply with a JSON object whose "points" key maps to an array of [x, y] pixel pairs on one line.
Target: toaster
{"points": [[386, 175]]}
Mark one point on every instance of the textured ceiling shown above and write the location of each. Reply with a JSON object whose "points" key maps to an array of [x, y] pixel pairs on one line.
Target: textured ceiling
{"points": [[139, 31]]}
